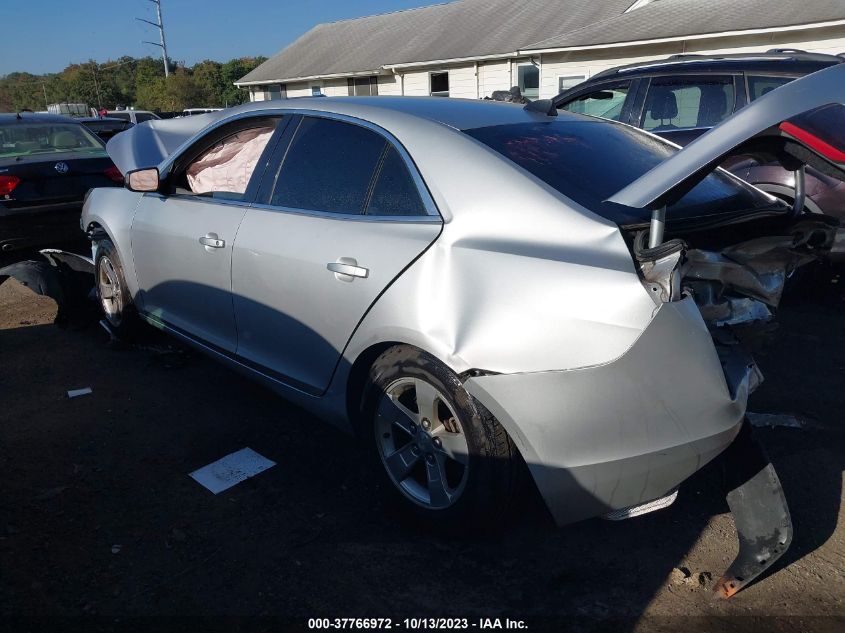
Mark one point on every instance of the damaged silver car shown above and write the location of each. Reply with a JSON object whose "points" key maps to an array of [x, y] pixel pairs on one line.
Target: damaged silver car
{"points": [[472, 285]]}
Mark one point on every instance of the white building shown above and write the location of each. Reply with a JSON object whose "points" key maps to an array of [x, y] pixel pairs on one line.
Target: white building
{"points": [[469, 48]]}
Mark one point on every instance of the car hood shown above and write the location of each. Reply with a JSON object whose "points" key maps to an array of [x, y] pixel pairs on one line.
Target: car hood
{"points": [[798, 123], [148, 144]]}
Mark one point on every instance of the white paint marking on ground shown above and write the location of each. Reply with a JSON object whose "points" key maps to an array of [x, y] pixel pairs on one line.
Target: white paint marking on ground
{"points": [[75, 393], [230, 470]]}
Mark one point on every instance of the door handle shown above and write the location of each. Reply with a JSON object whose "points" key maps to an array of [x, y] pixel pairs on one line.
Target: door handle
{"points": [[347, 269], [211, 240]]}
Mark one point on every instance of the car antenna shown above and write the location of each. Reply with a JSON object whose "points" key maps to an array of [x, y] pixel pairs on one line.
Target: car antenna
{"points": [[543, 106]]}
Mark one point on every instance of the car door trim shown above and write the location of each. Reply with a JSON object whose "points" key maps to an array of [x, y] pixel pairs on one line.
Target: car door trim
{"points": [[355, 217]]}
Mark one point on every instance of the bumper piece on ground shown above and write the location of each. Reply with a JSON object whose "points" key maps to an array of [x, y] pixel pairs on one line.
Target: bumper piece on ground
{"points": [[756, 499]]}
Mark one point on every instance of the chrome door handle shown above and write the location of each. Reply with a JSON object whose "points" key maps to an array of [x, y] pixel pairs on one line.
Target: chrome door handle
{"points": [[211, 240], [347, 269]]}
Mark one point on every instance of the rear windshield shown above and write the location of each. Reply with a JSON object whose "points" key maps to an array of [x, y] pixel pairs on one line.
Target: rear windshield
{"points": [[588, 161], [20, 139]]}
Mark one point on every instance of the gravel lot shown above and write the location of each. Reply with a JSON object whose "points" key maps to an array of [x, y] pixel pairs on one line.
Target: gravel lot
{"points": [[99, 518]]}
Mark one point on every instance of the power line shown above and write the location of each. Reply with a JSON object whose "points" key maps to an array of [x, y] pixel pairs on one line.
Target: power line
{"points": [[160, 26]]}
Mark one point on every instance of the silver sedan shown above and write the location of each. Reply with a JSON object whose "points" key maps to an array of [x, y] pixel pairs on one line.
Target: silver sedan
{"points": [[470, 286]]}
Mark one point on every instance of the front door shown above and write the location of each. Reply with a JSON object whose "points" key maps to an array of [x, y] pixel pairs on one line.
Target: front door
{"points": [[182, 238]]}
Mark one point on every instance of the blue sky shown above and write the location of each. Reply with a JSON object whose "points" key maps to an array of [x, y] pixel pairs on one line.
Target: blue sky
{"points": [[46, 35]]}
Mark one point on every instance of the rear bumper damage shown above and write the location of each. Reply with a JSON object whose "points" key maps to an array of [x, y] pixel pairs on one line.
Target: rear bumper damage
{"points": [[617, 440], [619, 435]]}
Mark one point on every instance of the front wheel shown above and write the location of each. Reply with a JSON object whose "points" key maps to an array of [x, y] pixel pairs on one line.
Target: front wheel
{"points": [[442, 453], [112, 293]]}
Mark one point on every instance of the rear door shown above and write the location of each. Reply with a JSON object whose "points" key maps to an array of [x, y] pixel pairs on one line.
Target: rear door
{"points": [[341, 217], [182, 237]]}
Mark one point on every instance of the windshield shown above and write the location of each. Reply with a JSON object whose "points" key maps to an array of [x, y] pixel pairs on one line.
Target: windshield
{"points": [[589, 160], [21, 139]]}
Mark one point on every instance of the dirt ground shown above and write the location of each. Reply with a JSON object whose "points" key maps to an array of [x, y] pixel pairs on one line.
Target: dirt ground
{"points": [[100, 523]]}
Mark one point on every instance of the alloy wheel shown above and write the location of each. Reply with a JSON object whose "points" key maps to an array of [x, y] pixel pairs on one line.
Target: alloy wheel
{"points": [[421, 443], [108, 288]]}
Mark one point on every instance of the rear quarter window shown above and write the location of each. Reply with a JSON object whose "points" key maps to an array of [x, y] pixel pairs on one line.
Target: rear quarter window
{"points": [[590, 160]]}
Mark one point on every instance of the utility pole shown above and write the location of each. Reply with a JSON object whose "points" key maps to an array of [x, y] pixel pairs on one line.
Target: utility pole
{"points": [[46, 103], [160, 26], [97, 86]]}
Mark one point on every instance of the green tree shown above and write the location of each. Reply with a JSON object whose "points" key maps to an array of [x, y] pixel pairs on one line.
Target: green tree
{"points": [[208, 78], [129, 81]]}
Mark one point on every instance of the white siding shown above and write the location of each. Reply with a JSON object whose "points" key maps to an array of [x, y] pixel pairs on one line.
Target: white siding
{"points": [[416, 83], [493, 75], [462, 82], [389, 85]]}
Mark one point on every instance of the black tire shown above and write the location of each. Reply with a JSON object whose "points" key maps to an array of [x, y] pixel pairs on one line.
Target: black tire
{"points": [[493, 465], [123, 319]]}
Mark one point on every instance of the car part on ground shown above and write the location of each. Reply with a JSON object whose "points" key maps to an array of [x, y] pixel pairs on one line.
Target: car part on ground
{"points": [[760, 512], [64, 277]]}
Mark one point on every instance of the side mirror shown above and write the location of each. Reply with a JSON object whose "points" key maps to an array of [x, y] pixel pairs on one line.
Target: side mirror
{"points": [[143, 180]]}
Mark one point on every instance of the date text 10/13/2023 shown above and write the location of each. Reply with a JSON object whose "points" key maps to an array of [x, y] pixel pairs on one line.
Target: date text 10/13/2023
{"points": [[417, 624]]}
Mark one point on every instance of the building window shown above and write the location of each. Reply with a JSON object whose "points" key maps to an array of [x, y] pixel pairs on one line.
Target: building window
{"points": [[276, 91], [362, 86], [316, 90], [528, 80], [565, 83], [438, 84]]}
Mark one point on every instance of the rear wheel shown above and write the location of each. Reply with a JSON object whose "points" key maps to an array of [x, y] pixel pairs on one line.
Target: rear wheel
{"points": [[112, 292], [443, 455]]}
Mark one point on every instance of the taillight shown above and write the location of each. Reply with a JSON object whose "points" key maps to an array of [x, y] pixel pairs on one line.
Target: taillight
{"points": [[114, 174], [8, 184], [820, 130], [813, 142]]}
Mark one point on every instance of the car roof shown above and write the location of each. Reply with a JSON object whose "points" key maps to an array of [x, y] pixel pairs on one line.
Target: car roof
{"points": [[775, 60], [461, 114], [34, 117]]}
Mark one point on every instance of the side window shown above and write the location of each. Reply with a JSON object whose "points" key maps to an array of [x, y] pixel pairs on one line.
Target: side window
{"points": [[329, 167], [143, 116], [675, 103], [394, 192], [606, 102], [758, 86], [225, 169]]}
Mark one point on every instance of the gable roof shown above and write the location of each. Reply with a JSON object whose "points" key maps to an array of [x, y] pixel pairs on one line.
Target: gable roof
{"points": [[666, 19], [472, 29], [461, 29]]}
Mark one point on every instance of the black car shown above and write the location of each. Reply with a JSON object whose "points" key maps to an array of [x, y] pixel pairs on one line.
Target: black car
{"points": [[682, 97], [105, 127], [47, 164]]}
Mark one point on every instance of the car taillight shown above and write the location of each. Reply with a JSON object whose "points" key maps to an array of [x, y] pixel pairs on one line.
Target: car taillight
{"points": [[820, 130], [813, 142], [114, 174], [8, 184]]}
